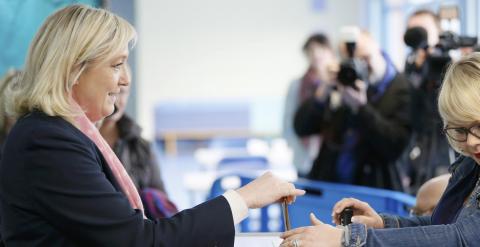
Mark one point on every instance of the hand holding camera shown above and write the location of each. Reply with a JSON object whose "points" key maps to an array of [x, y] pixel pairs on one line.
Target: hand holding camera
{"points": [[355, 97]]}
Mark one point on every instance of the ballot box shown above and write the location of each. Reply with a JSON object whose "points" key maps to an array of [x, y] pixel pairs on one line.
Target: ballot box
{"points": [[258, 239]]}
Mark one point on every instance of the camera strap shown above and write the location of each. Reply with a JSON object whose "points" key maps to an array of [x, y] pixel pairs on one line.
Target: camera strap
{"points": [[390, 73]]}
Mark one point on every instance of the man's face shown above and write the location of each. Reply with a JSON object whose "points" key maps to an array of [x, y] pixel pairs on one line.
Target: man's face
{"points": [[319, 56]]}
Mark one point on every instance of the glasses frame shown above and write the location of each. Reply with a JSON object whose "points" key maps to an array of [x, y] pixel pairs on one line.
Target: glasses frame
{"points": [[466, 130]]}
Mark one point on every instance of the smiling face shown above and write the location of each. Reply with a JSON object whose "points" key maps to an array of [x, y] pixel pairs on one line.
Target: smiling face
{"points": [[121, 104], [99, 86]]}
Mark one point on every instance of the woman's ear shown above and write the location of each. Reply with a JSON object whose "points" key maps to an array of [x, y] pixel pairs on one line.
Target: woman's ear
{"points": [[77, 72]]}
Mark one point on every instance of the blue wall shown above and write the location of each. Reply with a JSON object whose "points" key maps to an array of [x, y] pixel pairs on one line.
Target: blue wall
{"points": [[19, 21]]}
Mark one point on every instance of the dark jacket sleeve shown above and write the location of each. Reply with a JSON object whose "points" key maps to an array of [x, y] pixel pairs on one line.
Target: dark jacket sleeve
{"points": [[388, 126], [71, 191], [308, 118]]}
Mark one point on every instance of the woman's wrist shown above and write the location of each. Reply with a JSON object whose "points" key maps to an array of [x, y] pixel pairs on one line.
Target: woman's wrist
{"points": [[237, 205], [244, 195]]}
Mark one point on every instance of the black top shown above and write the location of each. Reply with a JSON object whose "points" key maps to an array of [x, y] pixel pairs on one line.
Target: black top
{"points": [[464, 180], [57, 190], [137, 156]]}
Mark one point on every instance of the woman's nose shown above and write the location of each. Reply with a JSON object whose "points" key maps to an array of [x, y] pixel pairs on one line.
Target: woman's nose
{"points": [[124, 77]]}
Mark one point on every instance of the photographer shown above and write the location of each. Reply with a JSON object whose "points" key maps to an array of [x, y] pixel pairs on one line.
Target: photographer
{"points": [[364, 124], [424, 29], [428, 154], [321, 69]]}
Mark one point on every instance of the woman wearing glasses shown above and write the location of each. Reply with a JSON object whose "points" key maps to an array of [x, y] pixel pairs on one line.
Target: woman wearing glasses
{"points": [[456, 219]]}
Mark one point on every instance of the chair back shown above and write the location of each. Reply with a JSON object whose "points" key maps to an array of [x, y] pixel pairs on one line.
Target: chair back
{"points": [[266, 219], [322, 196]]}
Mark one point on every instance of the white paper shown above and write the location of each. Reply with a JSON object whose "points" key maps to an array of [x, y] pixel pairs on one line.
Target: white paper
{"points": [[258, 239]]}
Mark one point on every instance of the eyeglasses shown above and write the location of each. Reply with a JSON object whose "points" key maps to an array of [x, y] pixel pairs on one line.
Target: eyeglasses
{"points": [[460, 134]]}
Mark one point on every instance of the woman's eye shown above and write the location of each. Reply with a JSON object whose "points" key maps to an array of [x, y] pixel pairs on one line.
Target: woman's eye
{"points": [[459, 131], [476, 129], [117, 66]]}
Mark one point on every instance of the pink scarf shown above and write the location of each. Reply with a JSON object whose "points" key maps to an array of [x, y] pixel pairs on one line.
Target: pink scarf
{"points": [[118, 170]]}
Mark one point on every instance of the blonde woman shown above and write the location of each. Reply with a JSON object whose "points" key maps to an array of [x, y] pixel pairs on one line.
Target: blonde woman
{"points": [[456, 219], [60, 183]]}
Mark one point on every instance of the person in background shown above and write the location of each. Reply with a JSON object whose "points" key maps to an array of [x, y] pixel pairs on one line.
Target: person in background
{"points": [[429, 195], [321, 70], [60, 182], [123, 135], [428, 154], [456, 218], [364, 126], [6, 122]]}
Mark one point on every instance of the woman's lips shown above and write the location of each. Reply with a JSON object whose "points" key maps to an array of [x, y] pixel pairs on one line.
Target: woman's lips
{"points": [[477, 155]]}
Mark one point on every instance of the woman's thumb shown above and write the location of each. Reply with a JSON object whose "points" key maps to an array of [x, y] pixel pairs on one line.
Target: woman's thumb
{"points": [[360, 219], [314, 220]]}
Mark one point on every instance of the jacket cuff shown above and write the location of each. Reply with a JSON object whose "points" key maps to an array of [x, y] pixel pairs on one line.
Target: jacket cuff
{"points": [[390, 221], [237, 205], [354, 235]]}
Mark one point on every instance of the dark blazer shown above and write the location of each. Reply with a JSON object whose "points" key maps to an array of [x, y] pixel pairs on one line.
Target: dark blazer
{"points": [[383, 130], [57, 190]]}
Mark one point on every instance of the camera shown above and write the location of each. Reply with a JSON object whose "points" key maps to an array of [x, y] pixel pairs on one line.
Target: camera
{"points": [[449, 41], [351, 68], [417, 38]]}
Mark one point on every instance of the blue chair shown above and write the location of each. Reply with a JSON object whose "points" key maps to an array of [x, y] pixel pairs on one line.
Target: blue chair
{"points": [[322, 196]]}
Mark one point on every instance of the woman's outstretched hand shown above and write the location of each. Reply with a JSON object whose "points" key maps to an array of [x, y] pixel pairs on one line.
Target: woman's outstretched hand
{"points": [[316, 235], [268, 189]]}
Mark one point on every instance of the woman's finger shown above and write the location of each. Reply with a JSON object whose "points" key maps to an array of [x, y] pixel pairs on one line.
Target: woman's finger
{"points": [[361, 219], [314, 220], [292, 232], [342, 204]]}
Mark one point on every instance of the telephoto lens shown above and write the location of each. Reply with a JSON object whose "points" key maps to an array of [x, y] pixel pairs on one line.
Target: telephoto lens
{"points": [[346, 216]]}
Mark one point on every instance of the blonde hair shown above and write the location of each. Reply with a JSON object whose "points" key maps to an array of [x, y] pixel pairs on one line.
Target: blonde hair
{"points": [[458, 101], [67, 42]]}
